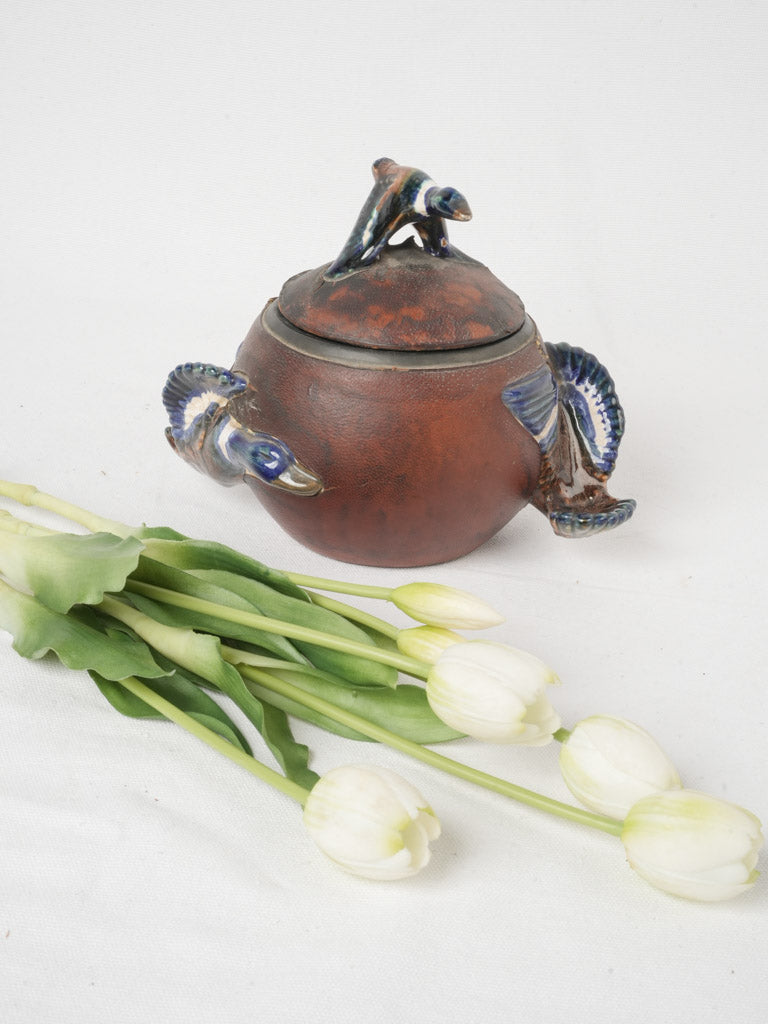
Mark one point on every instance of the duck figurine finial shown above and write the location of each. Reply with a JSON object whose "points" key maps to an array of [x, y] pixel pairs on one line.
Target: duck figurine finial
{"points": [[400, 196]]}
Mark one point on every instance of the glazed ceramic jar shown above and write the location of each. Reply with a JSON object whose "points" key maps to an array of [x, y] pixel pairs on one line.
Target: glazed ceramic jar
{"points": [[397, 407]]}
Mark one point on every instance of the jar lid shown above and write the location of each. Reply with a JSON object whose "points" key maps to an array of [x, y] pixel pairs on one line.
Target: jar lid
{"points": [[427, 296], [405, 300]]}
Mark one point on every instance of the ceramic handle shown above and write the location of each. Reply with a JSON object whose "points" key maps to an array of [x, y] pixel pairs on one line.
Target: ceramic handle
{"points": [[570, 407], [204, 432]]}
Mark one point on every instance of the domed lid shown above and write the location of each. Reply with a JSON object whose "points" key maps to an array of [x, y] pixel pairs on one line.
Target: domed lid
{"points": [[408, 296]]}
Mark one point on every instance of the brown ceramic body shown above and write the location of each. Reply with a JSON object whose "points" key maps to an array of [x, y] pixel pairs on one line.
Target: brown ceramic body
{"points": [[396, 407], [420, 462]]}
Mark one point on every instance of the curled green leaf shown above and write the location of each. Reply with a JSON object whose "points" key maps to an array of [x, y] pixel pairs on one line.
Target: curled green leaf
{"points": [[36, 630], [64, 569]]}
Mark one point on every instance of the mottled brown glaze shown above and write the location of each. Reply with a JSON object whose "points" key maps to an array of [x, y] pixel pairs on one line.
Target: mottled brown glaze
{"points": [[405, 300], [419, 465]]}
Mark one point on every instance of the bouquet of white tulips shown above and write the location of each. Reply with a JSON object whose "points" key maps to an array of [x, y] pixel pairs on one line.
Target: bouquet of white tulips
{"points": [[160, 621]]}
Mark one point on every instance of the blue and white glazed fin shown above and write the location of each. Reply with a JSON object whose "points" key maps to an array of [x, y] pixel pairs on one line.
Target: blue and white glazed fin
{"points": [[586, 389], [570, 407], [203, 432], [532, 400]]}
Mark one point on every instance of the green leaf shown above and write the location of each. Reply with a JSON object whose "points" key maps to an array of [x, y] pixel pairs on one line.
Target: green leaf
{"points": [[64, 569], [188, 553], [272, 723], [404, 710], [262, 599], [157, 573], [242, 654], [294, 756], [183, 618], [181, 692], [200, 653], [78, 645], [158, 532]]}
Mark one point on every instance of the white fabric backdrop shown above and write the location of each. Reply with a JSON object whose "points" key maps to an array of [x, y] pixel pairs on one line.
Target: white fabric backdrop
{"points": [[166, 166]]}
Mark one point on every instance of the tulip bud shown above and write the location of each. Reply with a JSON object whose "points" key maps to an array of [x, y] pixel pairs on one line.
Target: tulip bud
{"points": [[438, 605], [493, 692], [693, 845], [609, 764], [371, 822], [426, 643]]}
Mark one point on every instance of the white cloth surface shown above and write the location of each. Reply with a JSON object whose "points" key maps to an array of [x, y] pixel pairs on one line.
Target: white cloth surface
{"points": [[165, 167]]}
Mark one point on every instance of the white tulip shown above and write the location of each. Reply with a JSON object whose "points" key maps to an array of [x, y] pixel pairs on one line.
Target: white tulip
{"points": [[493, 692], [609, 764], [426, 643], [438, 605], [693, 845], [371, 822]]}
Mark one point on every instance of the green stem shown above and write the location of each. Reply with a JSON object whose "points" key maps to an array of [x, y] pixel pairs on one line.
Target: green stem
{"points": [[218, 743], [355, 614], [337, 587], [235, 656], [430, 757], [10, 524], [27, 494], [402, 662]]}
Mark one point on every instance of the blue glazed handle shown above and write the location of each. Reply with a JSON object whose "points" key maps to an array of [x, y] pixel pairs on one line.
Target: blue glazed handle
{"points": [[570, 407], [205, 433]]}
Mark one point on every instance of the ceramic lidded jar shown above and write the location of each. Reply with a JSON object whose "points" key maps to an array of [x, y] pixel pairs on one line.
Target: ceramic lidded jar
{"points": [[397, 407]]}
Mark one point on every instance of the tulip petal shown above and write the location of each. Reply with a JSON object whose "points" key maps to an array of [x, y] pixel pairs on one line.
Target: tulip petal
{"points": [[493, 692], [693, 845], [439, 605], [370, 822], [609, 764], [426, 643]]}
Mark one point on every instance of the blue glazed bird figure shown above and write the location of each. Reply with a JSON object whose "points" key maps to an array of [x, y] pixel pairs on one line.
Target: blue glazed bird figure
{"points": [[204, 432], [400, 196]]}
